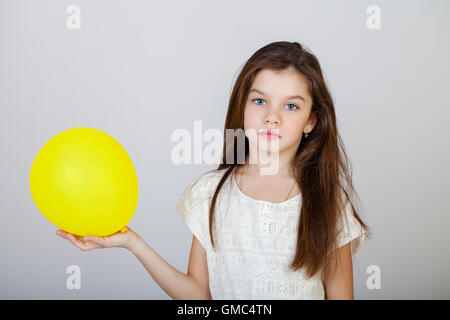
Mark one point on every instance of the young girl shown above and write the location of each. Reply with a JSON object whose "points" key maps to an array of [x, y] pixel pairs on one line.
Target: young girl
{"points": [[289, 234]]}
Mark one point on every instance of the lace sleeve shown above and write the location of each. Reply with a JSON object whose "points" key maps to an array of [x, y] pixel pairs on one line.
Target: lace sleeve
{"points": [[350, 230], [194, 207]]}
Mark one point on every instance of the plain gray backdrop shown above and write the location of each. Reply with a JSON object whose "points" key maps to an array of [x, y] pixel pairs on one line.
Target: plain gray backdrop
{"points": [[139, 70]]}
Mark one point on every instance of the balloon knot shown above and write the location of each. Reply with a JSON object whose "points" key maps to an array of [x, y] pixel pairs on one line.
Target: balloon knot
{"points": [[123, 230]]}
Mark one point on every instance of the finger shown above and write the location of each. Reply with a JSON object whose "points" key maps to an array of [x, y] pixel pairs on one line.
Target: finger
{"points": [[78, 243], [61, 233], [92, 245], [97, 240], [83, 245]]}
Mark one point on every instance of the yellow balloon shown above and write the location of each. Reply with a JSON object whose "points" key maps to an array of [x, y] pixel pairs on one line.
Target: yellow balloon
{"points": [[83, 181]]}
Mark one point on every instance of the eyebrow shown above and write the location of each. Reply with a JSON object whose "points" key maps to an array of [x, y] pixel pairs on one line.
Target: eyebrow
{"points": [[288, 97]]}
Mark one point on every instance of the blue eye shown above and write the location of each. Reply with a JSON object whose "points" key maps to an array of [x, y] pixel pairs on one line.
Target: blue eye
{"points": [[290, 104], [257, 99]]}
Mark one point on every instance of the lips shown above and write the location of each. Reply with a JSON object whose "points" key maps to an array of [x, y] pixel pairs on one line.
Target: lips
{"points": [[268, 133]]}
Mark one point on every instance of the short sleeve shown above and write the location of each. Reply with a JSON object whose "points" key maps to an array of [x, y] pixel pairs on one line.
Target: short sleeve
{"points": [[194, 207], [350, 230]]}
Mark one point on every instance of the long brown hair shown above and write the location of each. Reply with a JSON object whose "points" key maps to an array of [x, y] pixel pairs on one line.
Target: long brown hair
{"points": [[321, 166]]}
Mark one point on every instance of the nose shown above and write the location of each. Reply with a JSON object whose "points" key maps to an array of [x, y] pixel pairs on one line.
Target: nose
{"points": [[272, 118]]}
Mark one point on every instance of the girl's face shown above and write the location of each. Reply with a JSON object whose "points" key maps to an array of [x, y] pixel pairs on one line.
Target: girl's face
{"points": [[279, 100]]}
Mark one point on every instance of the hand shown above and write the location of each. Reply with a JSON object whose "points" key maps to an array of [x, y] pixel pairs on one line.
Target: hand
{"points": [[118, 239]]}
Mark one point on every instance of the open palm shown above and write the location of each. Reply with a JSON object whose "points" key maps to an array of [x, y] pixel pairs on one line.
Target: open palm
{"points": [[86, 243]]}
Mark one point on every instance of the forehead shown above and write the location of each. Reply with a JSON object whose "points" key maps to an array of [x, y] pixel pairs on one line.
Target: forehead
{"points": [[283, 83]]}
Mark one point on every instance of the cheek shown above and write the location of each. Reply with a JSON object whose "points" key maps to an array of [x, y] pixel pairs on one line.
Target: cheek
{"points": [[294, 126], [251, 118]]}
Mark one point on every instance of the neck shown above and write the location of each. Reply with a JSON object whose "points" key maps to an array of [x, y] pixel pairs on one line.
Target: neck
{"points": [[281, 165]]}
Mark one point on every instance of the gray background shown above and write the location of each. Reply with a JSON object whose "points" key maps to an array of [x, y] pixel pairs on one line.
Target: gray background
{"points": [[139, 70]]}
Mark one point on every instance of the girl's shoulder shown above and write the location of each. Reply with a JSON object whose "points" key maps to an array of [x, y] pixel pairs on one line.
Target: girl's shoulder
{"points": [[202, 187], [207, 180]]}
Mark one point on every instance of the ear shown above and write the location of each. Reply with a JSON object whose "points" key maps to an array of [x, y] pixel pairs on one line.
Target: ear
{"points": [[311, 122]]}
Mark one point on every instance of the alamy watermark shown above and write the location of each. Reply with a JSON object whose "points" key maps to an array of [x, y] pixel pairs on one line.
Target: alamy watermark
{"points": [[374, 280], [73, 21], [74, 280], [373, 21], [267, 147]]}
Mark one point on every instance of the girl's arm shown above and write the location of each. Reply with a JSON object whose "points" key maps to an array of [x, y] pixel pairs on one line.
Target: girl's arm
{"points": [[194, 285], [198, 266], [338, 279]]}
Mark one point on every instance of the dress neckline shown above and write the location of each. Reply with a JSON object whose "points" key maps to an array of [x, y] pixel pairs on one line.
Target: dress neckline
{"points": [[236, 186]]}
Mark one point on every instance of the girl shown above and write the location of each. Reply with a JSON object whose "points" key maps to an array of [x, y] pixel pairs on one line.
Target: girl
{"points": [[289, 234]]}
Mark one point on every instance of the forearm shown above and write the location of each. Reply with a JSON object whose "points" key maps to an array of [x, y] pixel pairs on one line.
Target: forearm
{"points": [[176, 284]]}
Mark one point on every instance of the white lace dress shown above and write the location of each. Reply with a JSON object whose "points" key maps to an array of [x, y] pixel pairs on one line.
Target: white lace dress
{"points": [[255, 241]]}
